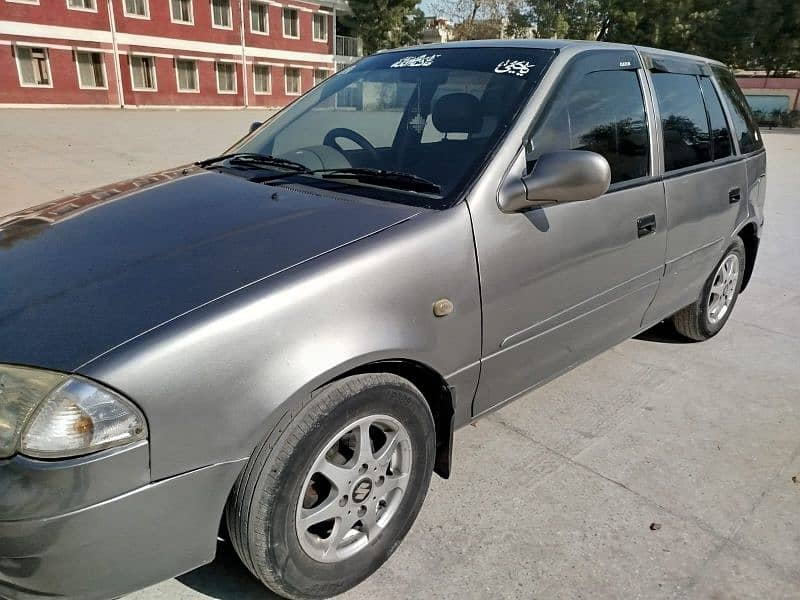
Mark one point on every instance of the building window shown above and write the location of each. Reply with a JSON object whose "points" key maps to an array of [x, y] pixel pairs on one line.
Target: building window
{"points": [[87, 5], [226, 78], [181, 11], [24, 1], [143, 73], [291, 76], [33, 65], [91, 70], [221, 14], [291, 23], [320, 28], [262, 79], [259, 17], [138, 9], [320, 75], [186, 72]]}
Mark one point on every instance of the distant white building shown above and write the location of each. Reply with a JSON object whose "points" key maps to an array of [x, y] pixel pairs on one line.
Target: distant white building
{"points": [[437, 31]]}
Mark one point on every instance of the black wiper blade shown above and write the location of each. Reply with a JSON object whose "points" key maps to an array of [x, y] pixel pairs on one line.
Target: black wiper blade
{"points": [[396, 179], [252, 158]]}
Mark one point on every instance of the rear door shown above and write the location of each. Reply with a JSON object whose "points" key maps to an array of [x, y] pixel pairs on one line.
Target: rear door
{"points": [[562, 283], [705, 180]]}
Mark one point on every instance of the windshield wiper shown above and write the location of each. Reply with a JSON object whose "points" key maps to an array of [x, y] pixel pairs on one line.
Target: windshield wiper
{"points": [[395, 179], [255, 159]]}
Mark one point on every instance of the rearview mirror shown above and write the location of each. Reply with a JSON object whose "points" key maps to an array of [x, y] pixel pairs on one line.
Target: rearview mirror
{"points": [[558, 178]]}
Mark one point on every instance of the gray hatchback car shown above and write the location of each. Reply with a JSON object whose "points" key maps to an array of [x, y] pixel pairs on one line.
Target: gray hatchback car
{"points": [[275, 345]]}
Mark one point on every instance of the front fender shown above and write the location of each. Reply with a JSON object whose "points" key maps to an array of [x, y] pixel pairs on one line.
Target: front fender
{"points": [[215, 381]]}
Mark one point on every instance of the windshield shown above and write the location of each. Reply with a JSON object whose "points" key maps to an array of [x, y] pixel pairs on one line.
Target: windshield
{"points": [[434, 115]]}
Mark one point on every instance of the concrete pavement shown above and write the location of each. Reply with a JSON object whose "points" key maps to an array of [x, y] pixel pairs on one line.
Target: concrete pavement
{"points": [[554, 495]]}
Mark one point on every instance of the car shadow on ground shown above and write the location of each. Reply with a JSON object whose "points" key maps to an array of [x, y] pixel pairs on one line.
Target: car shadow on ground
{"points": [[664, 333], [226, 578]]}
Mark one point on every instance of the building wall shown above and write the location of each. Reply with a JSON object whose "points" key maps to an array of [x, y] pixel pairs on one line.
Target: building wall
{"points": [[61, 31], [773, 86]]}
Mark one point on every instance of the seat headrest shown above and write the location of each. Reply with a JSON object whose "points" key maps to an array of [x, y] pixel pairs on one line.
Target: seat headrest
{"points": [[457, 113]]}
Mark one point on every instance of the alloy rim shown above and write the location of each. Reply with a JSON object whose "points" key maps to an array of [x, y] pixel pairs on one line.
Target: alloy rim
{"points": [[354, 488], [723, 289]]}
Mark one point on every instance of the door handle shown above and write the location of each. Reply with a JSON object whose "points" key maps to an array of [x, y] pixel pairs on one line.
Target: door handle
{"points": [[735, 195], [646, 225]]}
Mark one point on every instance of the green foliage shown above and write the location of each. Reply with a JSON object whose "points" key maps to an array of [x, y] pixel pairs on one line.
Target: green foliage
{"points": [[387, 23]]}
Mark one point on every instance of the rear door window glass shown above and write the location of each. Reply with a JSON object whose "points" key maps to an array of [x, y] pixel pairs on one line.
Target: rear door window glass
{"points": [[722, 146], [684, 123], [602, 112]]}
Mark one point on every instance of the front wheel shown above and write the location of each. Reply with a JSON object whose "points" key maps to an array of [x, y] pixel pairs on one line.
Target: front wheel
{"points": [[708, 315], [324, 504]]}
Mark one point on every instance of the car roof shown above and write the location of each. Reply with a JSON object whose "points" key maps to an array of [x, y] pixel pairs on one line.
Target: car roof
{"points": [[548, 44]]}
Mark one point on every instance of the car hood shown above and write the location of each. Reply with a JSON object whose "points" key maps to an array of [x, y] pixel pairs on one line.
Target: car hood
{"points": [[84, 274]]}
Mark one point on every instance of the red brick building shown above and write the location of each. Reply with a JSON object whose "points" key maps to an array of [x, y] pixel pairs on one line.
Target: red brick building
{"points": [[167, 52]]}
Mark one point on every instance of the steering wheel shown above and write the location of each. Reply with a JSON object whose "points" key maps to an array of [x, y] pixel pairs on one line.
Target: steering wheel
{"points": [[353, 136]]}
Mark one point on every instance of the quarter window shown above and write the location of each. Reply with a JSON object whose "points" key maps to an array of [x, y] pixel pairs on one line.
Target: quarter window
{"points": [[292, 79], [291, 23], [226, 78], [743, 123], [221, 14], [721, 146], [82, 5], [320, 28], [34, 67], [182, 11], [684, 123], [259, 19], [137, 8], [187, 75], [262, 82], [91, 69], [602, 112], [143, 73]]}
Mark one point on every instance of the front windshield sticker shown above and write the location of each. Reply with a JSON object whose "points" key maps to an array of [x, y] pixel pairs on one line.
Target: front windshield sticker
{"points": [[422, 60], [520, 68]]}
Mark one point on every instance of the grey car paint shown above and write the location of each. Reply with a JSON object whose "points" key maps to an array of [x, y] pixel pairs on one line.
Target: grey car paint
{"points": [[217, 363]]}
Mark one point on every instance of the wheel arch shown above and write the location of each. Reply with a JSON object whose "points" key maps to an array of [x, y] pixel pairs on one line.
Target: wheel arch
{"points": [[749, 236], [437, 393]]}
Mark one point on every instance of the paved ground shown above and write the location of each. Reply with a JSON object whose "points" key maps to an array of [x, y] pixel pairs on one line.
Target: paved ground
{"points": [[553, 496]]}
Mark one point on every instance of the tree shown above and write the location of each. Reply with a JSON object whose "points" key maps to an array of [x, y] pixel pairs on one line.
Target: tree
{"points": [[386, 23]]}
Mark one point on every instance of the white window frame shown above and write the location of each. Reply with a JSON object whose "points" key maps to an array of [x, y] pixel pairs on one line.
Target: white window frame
{"points": [[81, 9], [323, 70], [230, 16], [178, 21], [196, 90], [78, 70], [269, 79], [299, 91], [34, 2], [324, 20], [283, 22], [250, 10], [235, 77], [145, 16], [154, 72], [19, 70]]}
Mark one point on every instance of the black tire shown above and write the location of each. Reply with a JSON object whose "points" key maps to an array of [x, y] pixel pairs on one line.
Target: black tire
{"points": [[261, 511], [694, 321]]}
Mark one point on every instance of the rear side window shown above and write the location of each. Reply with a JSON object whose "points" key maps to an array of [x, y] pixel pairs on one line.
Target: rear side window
{"points": [[720, 133], [602, 112], [687, 141], [743, 123]]}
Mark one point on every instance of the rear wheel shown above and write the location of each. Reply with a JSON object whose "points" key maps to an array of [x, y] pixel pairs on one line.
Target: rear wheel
{"points": [[327, 501], [707, 316]]}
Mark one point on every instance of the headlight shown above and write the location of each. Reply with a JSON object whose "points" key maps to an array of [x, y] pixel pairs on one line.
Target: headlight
{"points": [[51, 415]]}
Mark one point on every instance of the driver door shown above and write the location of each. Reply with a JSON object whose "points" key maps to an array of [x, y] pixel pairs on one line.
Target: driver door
{"points": [[562, 283]]}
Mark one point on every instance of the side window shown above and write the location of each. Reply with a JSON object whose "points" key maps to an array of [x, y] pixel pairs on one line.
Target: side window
{"points": [[684, 123], [603, 112], [720, 133], [743, 123]]}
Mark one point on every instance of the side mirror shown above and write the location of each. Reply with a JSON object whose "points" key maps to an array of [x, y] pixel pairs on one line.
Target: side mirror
{"points": [[255, 125], [558, 178]]}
